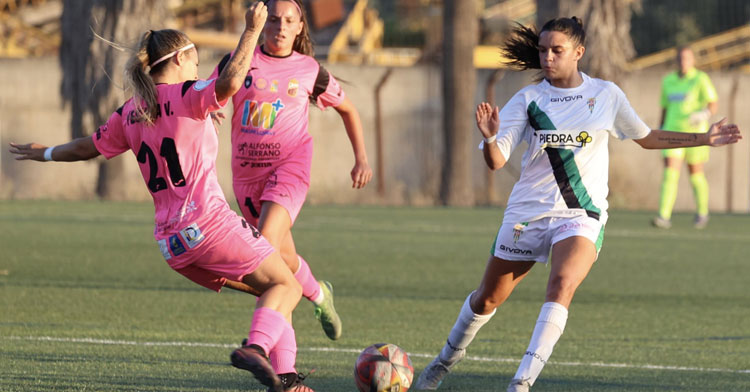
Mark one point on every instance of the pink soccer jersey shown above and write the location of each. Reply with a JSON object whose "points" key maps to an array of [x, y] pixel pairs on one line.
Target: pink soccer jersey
{"points": [[270, 117], [177, 158]]}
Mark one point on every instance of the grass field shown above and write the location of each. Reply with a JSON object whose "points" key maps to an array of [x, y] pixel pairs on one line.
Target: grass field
{"points": [[87, 303]]}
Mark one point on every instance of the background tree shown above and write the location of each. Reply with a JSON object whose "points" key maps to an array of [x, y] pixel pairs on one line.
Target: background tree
{"points": [[460, 29], [93, 69]]}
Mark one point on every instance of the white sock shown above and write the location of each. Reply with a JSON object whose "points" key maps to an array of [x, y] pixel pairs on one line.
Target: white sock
{"points": [[466, 327], [549, 327], [319, 298]]}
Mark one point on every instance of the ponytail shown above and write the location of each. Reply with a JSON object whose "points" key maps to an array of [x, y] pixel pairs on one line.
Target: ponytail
{"points": [[144, 89], [154, 45], [521, 48]]}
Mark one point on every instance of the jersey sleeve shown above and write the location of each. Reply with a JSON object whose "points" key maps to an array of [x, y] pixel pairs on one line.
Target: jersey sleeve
{"points": [[327, 90], [110, 138], [708, 91], [627, 124], [220, 67], [200, 97]]}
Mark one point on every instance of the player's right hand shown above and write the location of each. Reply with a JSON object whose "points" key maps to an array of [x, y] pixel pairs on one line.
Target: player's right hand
{"points": [[488, 119], [31, 151], [255, 17]]}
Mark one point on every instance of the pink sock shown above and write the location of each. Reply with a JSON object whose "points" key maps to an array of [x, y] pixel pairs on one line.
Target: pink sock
{"points": [[284, 355], [266, 329], [310, 286]]}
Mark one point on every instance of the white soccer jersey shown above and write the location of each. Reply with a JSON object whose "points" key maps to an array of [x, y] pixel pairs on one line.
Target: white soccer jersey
{"points": [[565, 170]]}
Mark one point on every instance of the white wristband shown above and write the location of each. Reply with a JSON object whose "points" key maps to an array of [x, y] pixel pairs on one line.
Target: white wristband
{"points": [[490, 139], [48, 154]]}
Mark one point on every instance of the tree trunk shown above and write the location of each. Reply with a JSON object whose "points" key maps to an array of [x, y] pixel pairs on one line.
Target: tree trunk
{"points": [[93, 69], [459, 84], [607, 23]]}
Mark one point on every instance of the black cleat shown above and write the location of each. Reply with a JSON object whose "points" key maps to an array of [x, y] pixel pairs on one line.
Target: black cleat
{"points": [[253, 359]]}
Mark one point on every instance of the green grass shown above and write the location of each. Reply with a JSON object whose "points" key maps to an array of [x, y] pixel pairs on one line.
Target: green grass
{"points": [[87, 303]]}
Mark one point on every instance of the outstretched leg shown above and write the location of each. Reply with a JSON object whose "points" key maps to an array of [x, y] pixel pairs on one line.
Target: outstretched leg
{"points": [[500, 278]]}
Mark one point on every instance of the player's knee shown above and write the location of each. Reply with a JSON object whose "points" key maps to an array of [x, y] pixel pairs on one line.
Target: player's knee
{"points": [[561, 289], [481, 304]]}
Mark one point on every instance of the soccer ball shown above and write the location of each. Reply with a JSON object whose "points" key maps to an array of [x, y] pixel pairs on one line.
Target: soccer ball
{"points": [[383, 367]]}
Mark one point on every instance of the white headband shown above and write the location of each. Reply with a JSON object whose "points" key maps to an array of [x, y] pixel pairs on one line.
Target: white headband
{"points": [[182, 49]]}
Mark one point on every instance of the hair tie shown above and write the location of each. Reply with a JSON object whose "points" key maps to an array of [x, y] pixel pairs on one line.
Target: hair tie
{"points": [[182, 49]]}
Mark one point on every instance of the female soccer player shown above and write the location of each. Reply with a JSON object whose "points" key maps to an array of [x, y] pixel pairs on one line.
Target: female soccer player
{"points": [[167, 126], [558, 208], [271, 148]]}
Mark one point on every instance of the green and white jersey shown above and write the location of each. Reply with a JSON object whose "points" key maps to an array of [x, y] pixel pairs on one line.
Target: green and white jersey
{"points": [[564, 172]]}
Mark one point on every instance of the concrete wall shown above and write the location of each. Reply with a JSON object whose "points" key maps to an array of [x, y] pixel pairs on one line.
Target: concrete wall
{"points": [[31, 110]]}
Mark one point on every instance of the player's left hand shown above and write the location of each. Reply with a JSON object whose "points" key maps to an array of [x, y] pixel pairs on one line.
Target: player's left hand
{"points": [[721, 133], [361, 174], [31, 151]]}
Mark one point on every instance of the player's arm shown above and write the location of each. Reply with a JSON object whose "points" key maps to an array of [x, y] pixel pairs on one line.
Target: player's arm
{"points": [[231, 78], [488, 122], [719, 134], [361, 173], [80, 149]]}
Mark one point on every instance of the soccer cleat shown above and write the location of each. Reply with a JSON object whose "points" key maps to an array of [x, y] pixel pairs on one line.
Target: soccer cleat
{"points": [[293, 382], [519, 385], [700, 222], [661, 223], [326, 313], [432, 376], [253, 359]]}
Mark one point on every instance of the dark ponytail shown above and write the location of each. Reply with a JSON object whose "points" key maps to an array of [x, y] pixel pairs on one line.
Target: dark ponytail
{"points": [[521, 48]]}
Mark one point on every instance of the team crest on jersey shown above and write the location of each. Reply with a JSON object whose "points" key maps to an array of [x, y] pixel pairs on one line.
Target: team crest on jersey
{"points": [[274, 86], [518, 230], [192, 235], [592, 103], [175, 245], [248, 81], [164, 248], [292, 88]]}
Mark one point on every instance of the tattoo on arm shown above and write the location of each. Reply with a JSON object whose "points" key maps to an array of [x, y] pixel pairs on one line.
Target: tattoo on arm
{"points": [[679, 140]]}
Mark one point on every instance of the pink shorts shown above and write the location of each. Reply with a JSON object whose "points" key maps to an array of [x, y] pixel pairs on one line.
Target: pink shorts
{"points": [[225, 247], [286, 184]]}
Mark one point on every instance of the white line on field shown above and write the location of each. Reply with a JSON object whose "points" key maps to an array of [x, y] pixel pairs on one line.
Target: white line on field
{"points": [[356, 351]]}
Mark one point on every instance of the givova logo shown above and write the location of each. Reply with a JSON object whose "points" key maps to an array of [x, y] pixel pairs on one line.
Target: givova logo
{"points": [[260, 114]]}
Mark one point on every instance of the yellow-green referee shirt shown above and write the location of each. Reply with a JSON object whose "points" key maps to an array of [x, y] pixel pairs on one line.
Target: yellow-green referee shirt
{"points": [[681, 96]]}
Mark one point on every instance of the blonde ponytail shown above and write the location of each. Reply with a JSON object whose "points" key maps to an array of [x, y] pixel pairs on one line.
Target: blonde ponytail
{"points": [[144, 90], [153, 46]]}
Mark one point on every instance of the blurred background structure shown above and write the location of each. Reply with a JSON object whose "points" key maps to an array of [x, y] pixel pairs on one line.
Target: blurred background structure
{"points": [[414, 68]]}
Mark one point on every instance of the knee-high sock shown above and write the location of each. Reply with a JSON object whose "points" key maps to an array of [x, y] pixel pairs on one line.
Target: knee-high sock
{"points": [[466, 327], [700, 190], [547, 331], [669, 184], [266, 329], [284, 355], [310, 286]]}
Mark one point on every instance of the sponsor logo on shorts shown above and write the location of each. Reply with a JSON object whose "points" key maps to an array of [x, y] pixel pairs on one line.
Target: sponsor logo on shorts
{"points": [[516, 251], [175, 245], [192, 235], [164, 248]]}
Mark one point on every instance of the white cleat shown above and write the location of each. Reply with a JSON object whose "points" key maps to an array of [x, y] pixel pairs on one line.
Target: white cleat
{"points": [[432, 376], [517, 385]]}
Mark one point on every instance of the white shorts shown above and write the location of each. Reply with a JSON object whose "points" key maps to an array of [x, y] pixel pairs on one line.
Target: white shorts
{"points": [[532, 241]]}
